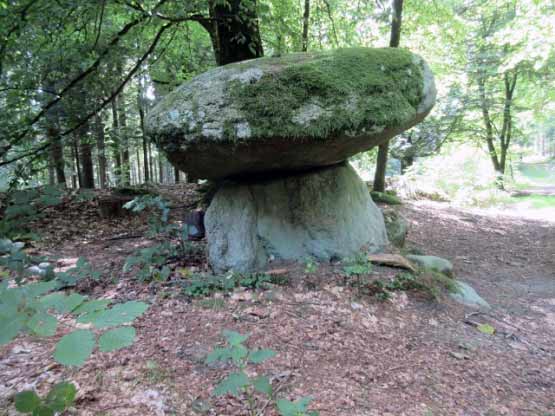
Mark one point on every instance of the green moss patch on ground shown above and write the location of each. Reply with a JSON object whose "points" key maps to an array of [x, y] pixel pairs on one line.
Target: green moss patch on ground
{"points": [[354, 89]]}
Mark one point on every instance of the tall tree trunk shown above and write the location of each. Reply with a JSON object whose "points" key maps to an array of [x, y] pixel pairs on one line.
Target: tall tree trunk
{"points": [[145, 140], [116, 153], [74, 166], [234, 31], [151, 163], [124, 143], [85, 150], [101, 150], [77, 163], [383, 149], [160, 169], [138, 156], [306, 20], [57, 154], [176, 174]]}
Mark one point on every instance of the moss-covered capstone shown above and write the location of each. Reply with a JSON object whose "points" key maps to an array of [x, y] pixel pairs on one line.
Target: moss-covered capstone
{"points": [[291, 113]]}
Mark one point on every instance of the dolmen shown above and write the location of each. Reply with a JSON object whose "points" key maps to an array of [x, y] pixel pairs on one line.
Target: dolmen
{"points": [[276, 134]]}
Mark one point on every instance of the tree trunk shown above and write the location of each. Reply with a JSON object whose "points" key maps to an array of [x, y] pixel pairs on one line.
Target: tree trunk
{"points": [[234, 31], [101, 149], [77, 163], [138, 156], [160, 169], [116, 142], [85, 150], [306, 20], [145, 141], [176, 174], [57, 155], [394, 39], [124, 140]]}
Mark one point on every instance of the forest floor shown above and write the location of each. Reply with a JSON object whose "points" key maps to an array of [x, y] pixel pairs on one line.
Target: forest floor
{"points": [[354, 355]]}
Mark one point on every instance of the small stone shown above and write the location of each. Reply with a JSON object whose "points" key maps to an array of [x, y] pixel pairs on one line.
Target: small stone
{"points": [[459, 356]]}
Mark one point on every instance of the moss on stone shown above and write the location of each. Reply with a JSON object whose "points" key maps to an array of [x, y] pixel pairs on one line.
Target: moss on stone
{"points": [[353, 90]]}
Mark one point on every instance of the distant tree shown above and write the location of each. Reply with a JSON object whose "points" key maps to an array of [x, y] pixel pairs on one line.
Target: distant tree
{"points": [[383, 150]]}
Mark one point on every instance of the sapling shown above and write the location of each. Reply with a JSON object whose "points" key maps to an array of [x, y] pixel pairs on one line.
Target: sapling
{"points": [[239, 383]]}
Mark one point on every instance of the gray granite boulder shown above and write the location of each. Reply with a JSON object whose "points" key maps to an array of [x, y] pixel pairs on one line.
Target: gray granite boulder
{"points": [[397, 227], [466, 295], [326, 214], [434, 263], [291, 113]]}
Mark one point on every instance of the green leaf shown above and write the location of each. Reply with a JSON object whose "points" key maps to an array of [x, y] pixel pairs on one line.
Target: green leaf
{"points": [[232, 384], [10, 327], [70, 302], [120, 314], [116, 339], [258, 356], [239, 353], [288, 408], [36, 289], [486, 329], [92, 306], [26, 401], [262, 385], [218, 354], [44, 410], [43, 324], [234, 338], [61, 396], [75, 348]]}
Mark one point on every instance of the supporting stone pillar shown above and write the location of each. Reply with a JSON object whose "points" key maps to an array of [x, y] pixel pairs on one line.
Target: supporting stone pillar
{"points": [[325, 214]]}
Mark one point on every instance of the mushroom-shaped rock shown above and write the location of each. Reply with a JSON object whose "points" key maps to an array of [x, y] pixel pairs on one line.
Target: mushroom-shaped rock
{"points": [[294, 112]]}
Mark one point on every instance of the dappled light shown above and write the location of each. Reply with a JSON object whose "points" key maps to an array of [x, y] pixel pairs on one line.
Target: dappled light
{"points": [[277, 208]]}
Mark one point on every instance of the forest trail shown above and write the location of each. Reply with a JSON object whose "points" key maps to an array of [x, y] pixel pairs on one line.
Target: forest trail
{"points": [[353, 355]]}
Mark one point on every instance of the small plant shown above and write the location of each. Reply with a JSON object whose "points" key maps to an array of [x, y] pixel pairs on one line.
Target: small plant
{"points": [[310, 266], [358, 267], [240, 384], [58, 399], [206, 285], [430, 283], [152, 261], [82, 270]]}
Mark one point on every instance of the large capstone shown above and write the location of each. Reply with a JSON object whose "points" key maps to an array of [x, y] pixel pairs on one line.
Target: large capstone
{"points": [[325, 214], [291, 113]]}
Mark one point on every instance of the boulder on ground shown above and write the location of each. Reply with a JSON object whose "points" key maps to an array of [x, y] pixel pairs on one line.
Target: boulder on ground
{"points": [[290, 113], [397, 227], [325, 214], [468, 296], [432, 263]]}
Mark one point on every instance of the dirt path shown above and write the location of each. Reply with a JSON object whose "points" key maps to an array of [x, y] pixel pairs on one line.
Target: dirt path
{"points": [[353, 355]]}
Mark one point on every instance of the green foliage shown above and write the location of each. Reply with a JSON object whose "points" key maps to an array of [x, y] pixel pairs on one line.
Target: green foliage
{"points": [[310, 266], [29, 308], [82, 270], [296, 408], [385, 197], [386, 84], [58, 399], [25, 206], [199, 285], [357, 269], [116, 339], [74, 348], [238, 383], [152, 261], [429, 283]]}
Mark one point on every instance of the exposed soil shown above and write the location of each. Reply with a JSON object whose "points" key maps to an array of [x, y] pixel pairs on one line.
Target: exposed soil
{"points": [[354, 355]]}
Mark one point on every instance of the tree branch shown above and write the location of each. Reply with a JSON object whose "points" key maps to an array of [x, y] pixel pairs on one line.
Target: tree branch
{"points": [[103, 104]]}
